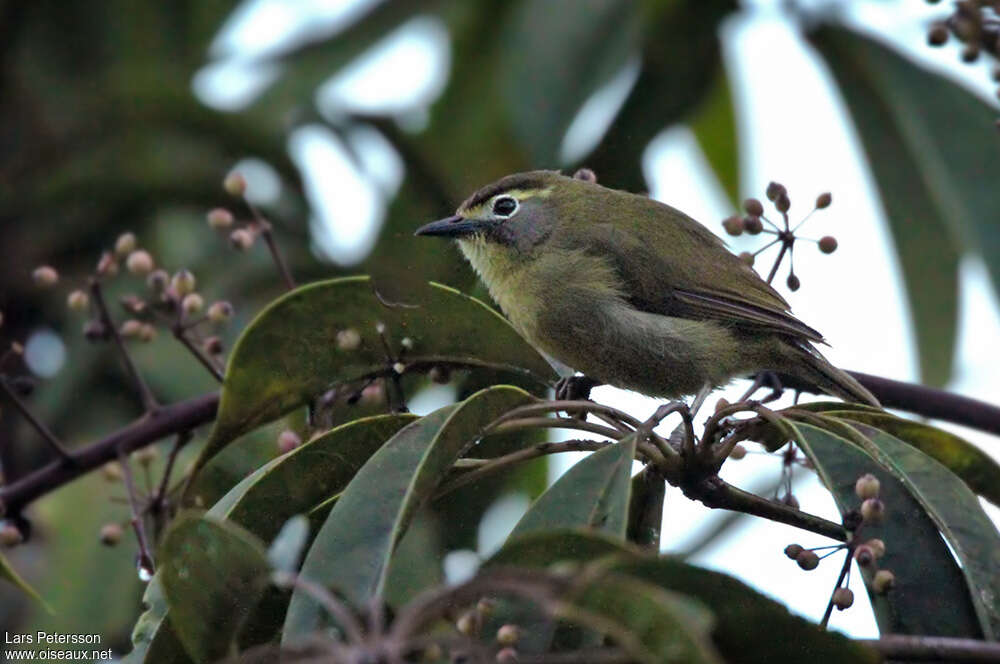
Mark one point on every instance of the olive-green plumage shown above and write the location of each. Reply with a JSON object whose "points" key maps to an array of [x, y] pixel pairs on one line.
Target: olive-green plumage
{"points": [[630, 291]]}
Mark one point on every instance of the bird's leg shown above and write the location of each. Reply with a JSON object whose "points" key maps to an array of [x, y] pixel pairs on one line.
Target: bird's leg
{"points": [[575, 388], [699, 399], [765, 379]]}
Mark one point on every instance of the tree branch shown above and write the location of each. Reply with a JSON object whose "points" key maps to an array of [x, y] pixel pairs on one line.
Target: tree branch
{"points": [[934, 648]]}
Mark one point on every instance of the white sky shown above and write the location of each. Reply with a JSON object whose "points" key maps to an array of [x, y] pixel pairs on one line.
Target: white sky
{"points": [[794, 129]]}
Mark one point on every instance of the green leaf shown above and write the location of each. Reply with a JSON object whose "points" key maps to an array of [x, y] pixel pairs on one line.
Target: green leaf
{"points": [[286, 549], [556, 53], [594, 493], [353, 550], [290, 352], [153, 640], [310, 474], [213, 574], [978, 469], [645, 510], [714, 125], [8, 574], [927, 576], [934, 150]]}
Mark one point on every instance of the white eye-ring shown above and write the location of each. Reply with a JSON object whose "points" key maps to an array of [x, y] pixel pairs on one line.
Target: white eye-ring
{"points": [[504, 206]]}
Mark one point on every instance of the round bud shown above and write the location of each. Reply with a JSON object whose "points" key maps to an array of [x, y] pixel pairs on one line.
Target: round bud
{"points": [[146, 455], [112, 471], [10, 535], [45, 276], [107, 266], [807, 560], [139, 262], [783, 203], [440, 375], [938, 34], [864, 555], [466, 624], [125, 244], [774, 190], [747, 258], [133, 304], [288, 440], [158, 280], [883, 582], [823, 201], [373, 394], [877, 546], [790, 500], [399, 368], [219, 218], [733, 225], [586, 175], [506, 656], [94, 330], [753, 207], [130, 328], [111, 534], [192, 303], [753, 225], [407, 343], [852, 520], [793, 550], [486, 607], [183, 283], [793, 282], [738, 452], [873, 511], [843, 598], [212, 345], [220, 312], [147, 333], [867, 486], [970, 53], [508, 635], [828, 244], [349, 339], [235, 184], [721, 404], [78, 300], [241, 239]]}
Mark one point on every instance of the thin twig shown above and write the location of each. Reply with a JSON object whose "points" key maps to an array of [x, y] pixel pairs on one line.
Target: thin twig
{"points": [[145, 555], [264, 227], [840, 581], [555, 423], [158, 501], [149, 402], [777, 262], [50, 438], [181, 335]]}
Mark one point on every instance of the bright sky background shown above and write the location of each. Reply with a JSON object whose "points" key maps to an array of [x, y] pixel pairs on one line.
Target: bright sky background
{"points": [[794, 129]]}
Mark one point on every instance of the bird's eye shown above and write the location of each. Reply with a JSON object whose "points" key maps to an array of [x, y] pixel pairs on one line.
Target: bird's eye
{"points": [[504, 206]]}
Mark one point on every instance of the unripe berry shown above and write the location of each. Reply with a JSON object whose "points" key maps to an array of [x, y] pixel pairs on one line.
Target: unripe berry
{"points": [[111, 534], [220, 312], [807, 560], [107, 266], [212, 345], [466, 624], [45, 276], [349, 339], [288, 440], [220, 218], [738, 452], [78, 300], [827, 244], [937, 35], [970, 53], [112, 471], [586, 175], [486, 607], [877, 546], [867, 486], [783, 203], [235, 184], [146, 455], [183, 283], [873, 511], [823, 200], [793, 550], [158, 280], [733, 225], [399, 368], [94, 330], [241, 239], [508, 635], [883, 582], [131, 328], [753, 207], [793, 282], [407, 343], [192, 303], [843, 598], [10, 535], [774, 190], [133, 304], [139, 262], [753, 225], [506, 656], [125, 244], [747, 258], [864, 555], [147, 333]]}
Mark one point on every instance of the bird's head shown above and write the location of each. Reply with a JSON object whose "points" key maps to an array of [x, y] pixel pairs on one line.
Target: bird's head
{"points": [[518, 211]]}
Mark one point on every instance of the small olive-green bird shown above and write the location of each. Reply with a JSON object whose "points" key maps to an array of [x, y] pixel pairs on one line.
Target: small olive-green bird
{"points": [[629, 291]]}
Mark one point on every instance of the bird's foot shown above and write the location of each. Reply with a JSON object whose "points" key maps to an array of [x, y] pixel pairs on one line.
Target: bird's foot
{"points": [[765, 379], [575, 388]]}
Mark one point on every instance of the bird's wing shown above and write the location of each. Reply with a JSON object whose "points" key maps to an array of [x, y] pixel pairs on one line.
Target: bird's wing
{"points": [[682, 269]]}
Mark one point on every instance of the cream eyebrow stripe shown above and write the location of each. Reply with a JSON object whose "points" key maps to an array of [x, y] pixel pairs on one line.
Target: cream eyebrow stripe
{"points": [[519, 194]]}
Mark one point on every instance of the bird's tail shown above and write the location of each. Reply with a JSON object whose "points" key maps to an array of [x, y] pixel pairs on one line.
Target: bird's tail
{"points": [[814, 368]]}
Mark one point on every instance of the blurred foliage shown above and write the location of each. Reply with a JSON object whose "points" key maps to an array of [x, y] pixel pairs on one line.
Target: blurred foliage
{"points": [[100, 133]]}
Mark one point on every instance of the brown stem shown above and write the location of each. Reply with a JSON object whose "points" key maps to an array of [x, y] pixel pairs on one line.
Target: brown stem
{"points": [[840, 581], [145, 555], [50, 438], [264, 228], [554, 423], [934, 648], [180, 333], [777, 261], [149, 402]]}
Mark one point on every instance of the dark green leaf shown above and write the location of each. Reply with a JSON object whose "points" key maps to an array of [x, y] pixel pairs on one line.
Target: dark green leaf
{"points": [[714, 125], [927, 576], [934, 150], [353, 550], [290, 352], [153, 640], [594, 493], [213, 574]]}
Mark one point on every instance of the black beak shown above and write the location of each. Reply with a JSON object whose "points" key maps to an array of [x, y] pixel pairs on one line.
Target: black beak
{"points": [[455, 226]]}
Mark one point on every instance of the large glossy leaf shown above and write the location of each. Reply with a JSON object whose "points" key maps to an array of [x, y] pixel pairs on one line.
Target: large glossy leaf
{"points": [[289, 353], [935, 154], [739, 610], [153, 640], [714, 125], [353, 549], [556, 53], [927, 576], [213, 574], [594, 493]]}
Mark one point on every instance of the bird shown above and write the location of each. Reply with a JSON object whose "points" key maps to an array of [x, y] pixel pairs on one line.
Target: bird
{"points": [[629, 291]]}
